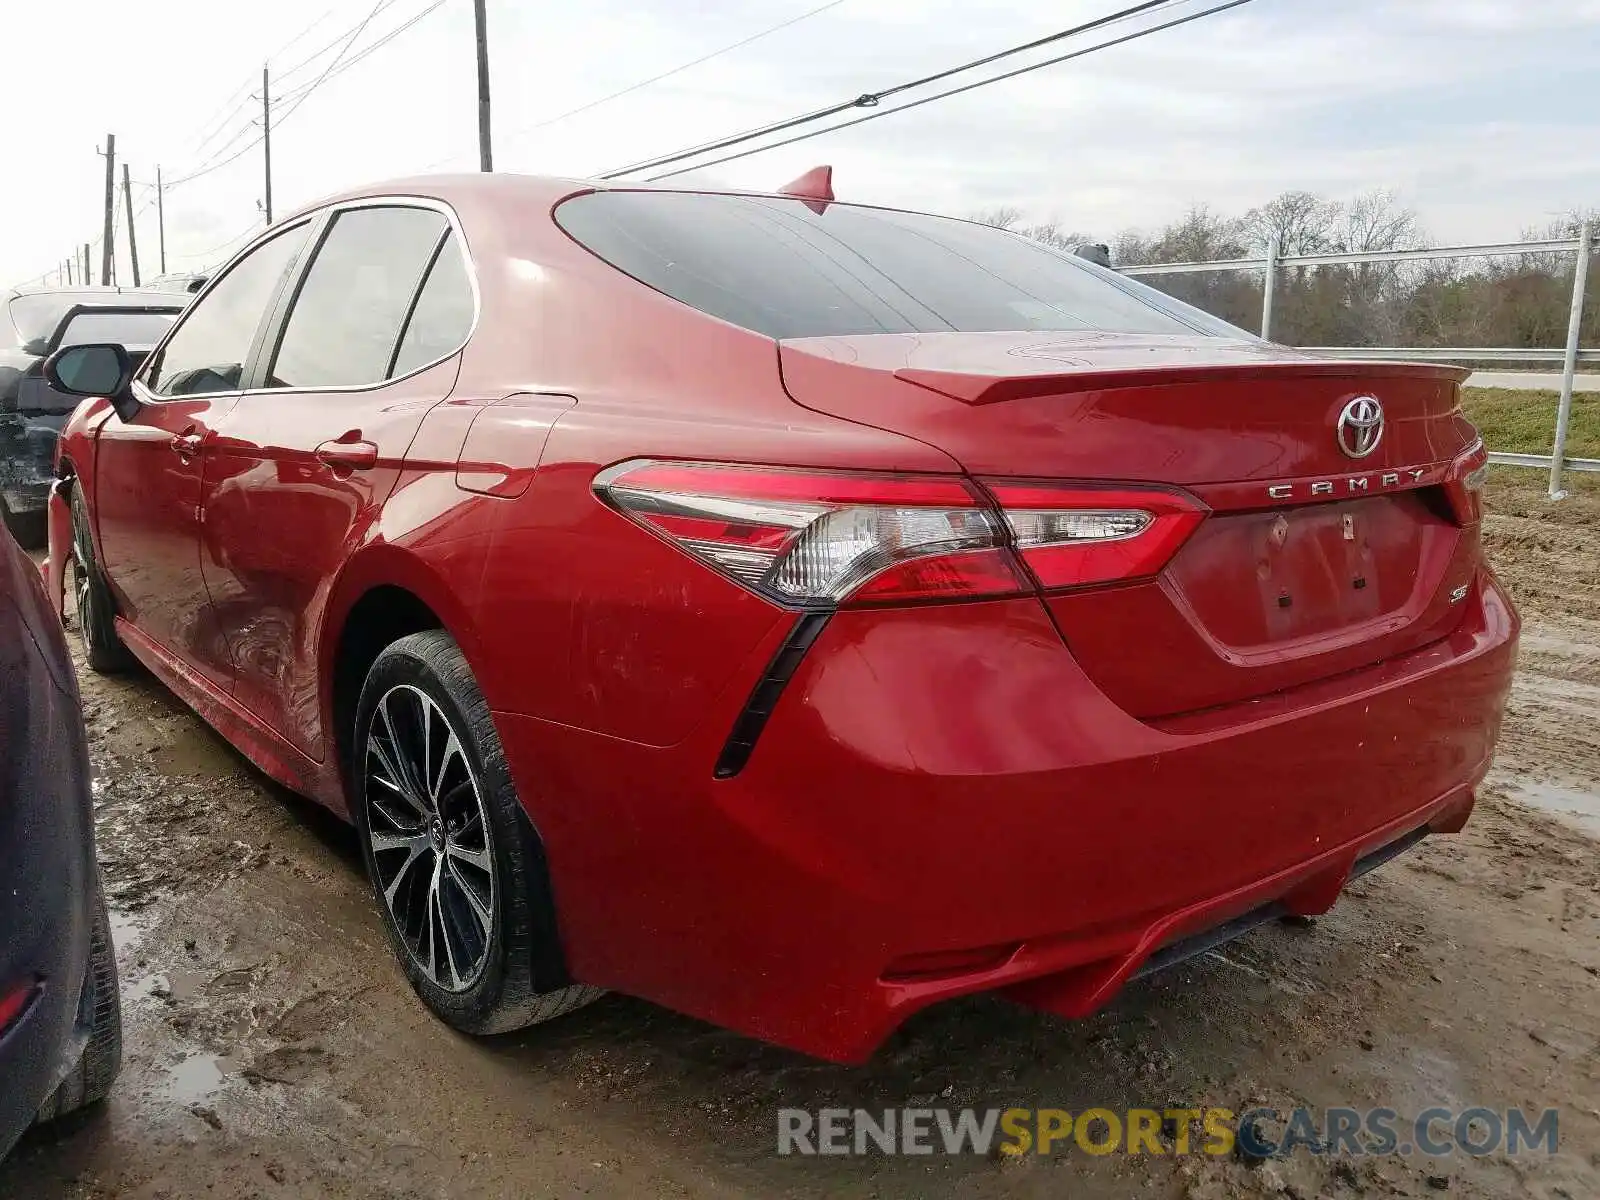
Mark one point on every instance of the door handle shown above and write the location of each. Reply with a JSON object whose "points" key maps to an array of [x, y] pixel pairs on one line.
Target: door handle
{"points": [[187, 444], [349, 456]]}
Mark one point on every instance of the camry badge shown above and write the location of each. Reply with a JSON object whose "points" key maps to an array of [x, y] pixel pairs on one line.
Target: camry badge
{"points": [[1360, 427]]}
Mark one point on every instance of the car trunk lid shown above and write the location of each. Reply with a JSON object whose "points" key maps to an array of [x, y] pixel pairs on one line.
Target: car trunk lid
{"points": [[1312, 562]]}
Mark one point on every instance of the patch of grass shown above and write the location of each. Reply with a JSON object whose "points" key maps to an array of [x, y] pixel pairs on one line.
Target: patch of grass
{"points": [[1523, 422]]}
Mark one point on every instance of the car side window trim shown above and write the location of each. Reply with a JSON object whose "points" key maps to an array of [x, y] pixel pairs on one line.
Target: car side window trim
{"points": [[411, 309], [148, 395], [270, 336], [255, 373]]}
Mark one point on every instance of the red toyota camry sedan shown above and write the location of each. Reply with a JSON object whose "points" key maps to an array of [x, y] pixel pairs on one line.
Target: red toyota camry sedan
{"points": [[791, 612]]}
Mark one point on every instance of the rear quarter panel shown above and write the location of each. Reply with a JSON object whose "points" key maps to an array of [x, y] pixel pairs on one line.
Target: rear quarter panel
{"points": [[584, 618]]}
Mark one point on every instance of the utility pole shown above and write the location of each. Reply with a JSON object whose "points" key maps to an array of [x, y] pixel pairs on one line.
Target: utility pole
{"points": [[110, 154], [133, 242], [161, 220], [485, 154], [86, 262], [266, 139]]}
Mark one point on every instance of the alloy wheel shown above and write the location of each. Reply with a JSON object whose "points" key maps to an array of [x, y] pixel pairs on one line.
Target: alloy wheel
{"points": [[81, 596], [429, 832]]}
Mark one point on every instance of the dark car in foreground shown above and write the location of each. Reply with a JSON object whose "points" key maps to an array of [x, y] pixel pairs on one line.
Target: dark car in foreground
{"points": [[792, 612], [60, 1025], [33, 324]]}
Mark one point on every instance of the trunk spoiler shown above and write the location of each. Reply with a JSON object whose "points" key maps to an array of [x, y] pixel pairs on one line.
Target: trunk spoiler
{"points": [[979, 389]]}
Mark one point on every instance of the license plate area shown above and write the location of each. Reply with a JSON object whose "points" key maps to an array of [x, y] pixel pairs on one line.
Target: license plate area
{"points": [[1278, 579]]}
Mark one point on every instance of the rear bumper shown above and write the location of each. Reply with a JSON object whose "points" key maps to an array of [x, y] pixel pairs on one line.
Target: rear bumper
{"points": [[27, 459], [26, 496], [943, 803]]}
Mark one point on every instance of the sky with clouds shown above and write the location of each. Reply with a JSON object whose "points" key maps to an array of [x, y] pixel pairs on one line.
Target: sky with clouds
{"points": [[1482, 114]]}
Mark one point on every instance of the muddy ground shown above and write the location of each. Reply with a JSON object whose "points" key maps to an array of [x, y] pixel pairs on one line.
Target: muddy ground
{"points": [[273, 1048]]}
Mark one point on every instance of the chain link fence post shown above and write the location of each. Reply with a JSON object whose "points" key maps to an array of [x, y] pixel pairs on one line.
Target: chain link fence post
{"points": [[1270, 287], [1580, 279]]}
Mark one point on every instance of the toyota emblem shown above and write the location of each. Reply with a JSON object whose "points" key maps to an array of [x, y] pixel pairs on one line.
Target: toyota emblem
{"points": [[1360, 426]]}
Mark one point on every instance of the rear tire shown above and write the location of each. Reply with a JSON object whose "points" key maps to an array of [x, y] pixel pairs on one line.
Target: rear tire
{"points": [[97, 627], [96, 1070], [456, 867]]}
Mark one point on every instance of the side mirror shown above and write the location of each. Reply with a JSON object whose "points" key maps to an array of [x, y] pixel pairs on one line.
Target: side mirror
{"points": [[95, 370]]}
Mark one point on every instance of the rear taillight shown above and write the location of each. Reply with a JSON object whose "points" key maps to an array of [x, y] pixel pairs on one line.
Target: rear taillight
{"points": [[822, 539], [816, 538], [1079, 535], [1464, 485], [14, 1001]]}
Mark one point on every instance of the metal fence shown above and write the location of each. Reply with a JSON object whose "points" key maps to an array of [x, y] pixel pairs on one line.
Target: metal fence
{"points": [[1581, 247]]}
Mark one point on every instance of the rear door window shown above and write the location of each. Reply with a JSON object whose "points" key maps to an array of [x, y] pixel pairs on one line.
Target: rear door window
{"points": [[780, 267], [347, 318]]}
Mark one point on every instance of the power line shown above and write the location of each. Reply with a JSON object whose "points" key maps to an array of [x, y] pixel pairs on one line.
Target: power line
{"points": [[220, 157], [872, 99], [644, 83], [216, 156], [214, 166], [704, 58], [1049, 62], [241, 95], [297, 96], [217, 127], [305, 89], [343, 50], [220, 246], [305, 30], [349, 34]]}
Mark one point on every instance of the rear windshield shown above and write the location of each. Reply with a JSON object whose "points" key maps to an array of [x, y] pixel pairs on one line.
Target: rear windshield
{"points": [[776, 266], [36, 316], [139, 331]]}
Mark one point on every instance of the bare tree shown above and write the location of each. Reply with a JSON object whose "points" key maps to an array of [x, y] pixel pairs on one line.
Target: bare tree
{"points": [[1200, 235], [1197, 236], [1518, 301], [1053, 233], [1002, 216], [1297, 222], [1375, 221]]}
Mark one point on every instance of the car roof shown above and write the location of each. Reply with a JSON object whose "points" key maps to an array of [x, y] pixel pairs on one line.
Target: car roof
{"points": [[488, 190], [463, 187]]}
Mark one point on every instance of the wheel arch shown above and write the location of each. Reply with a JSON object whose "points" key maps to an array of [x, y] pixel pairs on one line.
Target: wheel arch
{"points": [[75, 466], [382, 594]]}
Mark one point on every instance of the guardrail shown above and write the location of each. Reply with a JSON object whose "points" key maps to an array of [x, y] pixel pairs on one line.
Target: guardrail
{"points": [[1580, 247]]}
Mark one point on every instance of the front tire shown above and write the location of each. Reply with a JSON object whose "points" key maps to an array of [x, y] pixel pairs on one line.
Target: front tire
{"points": [[97, 627], [458, 873]]}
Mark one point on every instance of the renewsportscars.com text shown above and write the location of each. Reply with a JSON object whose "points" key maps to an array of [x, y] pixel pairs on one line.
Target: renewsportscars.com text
{"points": [[1254, 1132]]}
